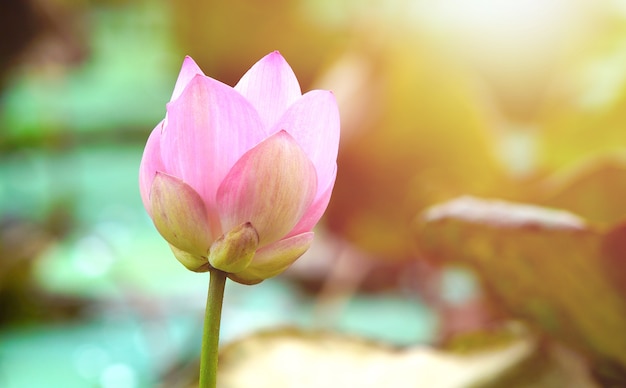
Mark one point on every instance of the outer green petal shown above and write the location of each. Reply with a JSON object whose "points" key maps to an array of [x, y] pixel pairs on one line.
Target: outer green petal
{"points": [[274, 259], [180, 215], [234, 250], [193, 263]]}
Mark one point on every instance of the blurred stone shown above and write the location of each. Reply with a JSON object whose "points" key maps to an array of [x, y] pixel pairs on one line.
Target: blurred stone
{"points": [[291, 358]]}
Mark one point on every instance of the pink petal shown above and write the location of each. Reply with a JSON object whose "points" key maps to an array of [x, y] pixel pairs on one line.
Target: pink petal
{"points": [[189, 70], [274, 259], [210, 126], [179, 215], [271, 86], [271, 186], [313, 121], [313, 214], [150, 163]]}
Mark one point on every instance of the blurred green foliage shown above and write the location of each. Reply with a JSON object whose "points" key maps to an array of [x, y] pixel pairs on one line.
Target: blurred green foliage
{"points": [[120, 89]]}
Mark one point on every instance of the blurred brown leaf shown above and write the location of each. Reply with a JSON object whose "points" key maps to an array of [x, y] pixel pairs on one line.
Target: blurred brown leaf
{"points": [[545, 266], [594, 189]]}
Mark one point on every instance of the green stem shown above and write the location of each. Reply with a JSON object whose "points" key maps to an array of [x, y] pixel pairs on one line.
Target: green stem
{"points": [[211, 334]]}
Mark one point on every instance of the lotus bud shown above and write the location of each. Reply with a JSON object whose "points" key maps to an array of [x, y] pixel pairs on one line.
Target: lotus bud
{"points": [[235, 178]]}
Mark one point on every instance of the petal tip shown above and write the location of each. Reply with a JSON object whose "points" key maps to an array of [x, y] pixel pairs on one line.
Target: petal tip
{"points": [[190, 64], [275, 55], [188, 71]]}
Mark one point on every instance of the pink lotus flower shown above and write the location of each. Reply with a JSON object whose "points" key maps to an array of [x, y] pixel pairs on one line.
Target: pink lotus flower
{"points": [[236, 178]]}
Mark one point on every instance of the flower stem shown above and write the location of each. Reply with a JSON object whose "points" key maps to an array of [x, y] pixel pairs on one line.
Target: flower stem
{"points": [[211, 333]]}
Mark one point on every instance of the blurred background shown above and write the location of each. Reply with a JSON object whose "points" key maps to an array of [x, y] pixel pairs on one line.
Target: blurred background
{"points": [[522, 100]]}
